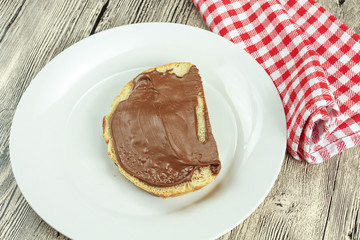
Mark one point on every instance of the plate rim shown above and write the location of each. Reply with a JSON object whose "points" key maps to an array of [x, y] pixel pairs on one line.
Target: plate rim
{"points": [[93, 38]]}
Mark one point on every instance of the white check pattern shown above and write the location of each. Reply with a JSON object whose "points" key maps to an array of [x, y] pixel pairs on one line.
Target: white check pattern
{"points": [[313, 60]]}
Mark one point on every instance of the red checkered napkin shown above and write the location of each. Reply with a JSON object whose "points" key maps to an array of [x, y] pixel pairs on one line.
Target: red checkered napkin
{"points": [[313, 60]]}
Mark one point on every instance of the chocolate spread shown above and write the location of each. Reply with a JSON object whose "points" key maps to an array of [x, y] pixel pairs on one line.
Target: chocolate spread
{"points": [[155, 129]]}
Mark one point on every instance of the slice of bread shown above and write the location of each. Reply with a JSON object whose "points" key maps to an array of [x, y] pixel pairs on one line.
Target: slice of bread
{"points": [[201, 177]]}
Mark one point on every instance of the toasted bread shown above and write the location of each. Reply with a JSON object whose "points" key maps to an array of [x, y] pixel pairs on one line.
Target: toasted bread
{"points": [[201, 177]]}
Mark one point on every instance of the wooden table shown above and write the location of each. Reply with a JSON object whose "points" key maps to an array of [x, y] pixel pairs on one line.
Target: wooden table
{"points": [[307, 201]]}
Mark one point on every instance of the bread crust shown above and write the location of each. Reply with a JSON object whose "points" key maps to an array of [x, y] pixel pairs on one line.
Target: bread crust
{"points": [[201, 177]]}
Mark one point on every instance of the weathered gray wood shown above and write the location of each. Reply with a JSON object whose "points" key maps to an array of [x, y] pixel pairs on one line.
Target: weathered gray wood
{"points": [[307, 202], [10, 11], [41, 30]]}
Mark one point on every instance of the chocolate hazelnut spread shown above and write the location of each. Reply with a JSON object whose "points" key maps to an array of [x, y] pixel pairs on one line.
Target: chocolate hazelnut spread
{"points": [[155, 129]]}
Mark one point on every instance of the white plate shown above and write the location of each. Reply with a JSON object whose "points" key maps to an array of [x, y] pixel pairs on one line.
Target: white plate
{"points": [[59, 156]]}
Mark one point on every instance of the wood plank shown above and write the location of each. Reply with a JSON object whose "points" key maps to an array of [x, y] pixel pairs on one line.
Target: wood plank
{"points": [[9, 11], [40, 32], [133, 11], [343, 220], [307, 202]]}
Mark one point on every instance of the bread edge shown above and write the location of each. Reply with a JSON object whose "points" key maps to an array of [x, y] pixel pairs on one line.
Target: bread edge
{"points": [[201, 177]]}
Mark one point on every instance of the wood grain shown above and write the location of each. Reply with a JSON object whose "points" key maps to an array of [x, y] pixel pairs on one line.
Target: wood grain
{"points": [[307, 201]]}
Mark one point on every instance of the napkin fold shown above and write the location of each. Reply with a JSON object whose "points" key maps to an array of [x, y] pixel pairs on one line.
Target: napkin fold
{"points": [[313, 60]]}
